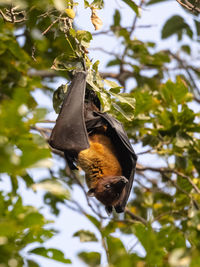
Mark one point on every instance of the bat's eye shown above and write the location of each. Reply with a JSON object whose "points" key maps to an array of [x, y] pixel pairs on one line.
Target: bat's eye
{"points": [[107, 186]]}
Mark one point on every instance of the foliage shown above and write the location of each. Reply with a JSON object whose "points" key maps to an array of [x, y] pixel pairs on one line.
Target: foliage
{"points": [[41, 43]]}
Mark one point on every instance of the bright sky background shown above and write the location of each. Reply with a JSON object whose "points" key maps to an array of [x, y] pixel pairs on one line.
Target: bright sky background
{"points": [[68, 222]]}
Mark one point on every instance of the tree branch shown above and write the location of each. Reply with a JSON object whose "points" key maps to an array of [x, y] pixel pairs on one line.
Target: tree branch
{"points": [[10, 15], [189, 6], [167, 170], [48, 28], [43, 73], [135, 217]]}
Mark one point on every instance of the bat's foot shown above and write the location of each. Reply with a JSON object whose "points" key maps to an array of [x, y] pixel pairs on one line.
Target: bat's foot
{"points": [[119, 209], [109, 210], [70, 161]]}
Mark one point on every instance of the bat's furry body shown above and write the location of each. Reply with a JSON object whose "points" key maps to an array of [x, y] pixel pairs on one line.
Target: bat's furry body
{"points": [[99, 160], [97, 143], [103, 170]]}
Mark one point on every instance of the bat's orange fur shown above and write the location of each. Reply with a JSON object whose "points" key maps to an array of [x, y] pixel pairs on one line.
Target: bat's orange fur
{"points": [[99, 160]]}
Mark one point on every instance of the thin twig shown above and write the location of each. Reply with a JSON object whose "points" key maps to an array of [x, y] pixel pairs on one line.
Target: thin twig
{"points": [[43, 73], [189, 6], [46, 121], [55, 21], [168, 170], [104, 245], [104, 51], [145, 152], [11, 18], [7, 19], [111, 31], [135, 217], [171, 212]]}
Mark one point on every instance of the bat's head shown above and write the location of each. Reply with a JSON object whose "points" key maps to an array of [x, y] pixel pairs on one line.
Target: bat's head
{"points": [[108, 189]]}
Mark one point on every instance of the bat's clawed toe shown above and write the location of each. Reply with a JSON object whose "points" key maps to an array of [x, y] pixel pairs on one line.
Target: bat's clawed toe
{"points": [[109, 210], [119, 209]]}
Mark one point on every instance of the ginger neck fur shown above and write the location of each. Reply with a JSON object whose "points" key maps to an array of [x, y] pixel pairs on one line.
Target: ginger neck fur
{"points": [[99, 160]]}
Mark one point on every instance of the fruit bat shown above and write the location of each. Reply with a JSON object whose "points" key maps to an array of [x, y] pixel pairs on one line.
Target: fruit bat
{"points": [[96, 142]]}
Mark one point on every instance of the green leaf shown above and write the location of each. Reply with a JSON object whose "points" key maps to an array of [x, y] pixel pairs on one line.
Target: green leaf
{"points": [[144, 102], [33, 219], [117, 18], [14, 47], [152, 2], [184, 183], [8, 227], [86, 4], [115, 90], [150, 241], [51, 253], [111, 84], [98, 4], [176, 25], [181, 162], [84, 37], [122, 257], [58, 97], [85, 236], [67, 62], [28, 179], [127, 105], [94, 221], [93, 259], [182, 142], [197, 24], [150, 140], [31, 263], [175, 91], [95, 66], [129, 116], [114, 62], [132, 5], [125, 98], [186, 49]]}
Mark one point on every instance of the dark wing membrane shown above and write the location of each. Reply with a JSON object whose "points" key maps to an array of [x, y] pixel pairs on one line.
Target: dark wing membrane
{"points": [[126, 154], [120, 206], [69, 133], [118, 128]]}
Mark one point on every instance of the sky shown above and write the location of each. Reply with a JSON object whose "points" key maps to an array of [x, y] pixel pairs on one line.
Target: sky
{"points": [[68, 222]]}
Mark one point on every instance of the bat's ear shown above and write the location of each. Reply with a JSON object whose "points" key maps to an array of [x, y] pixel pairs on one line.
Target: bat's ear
{"points": [[91, 192]]}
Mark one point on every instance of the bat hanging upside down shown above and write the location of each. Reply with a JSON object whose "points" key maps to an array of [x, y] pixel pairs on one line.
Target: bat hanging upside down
{"points": [[98, 144]]}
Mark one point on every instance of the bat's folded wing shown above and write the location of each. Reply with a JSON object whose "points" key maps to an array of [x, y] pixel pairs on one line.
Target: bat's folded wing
{"points": [[69, 133], [126, 155]]}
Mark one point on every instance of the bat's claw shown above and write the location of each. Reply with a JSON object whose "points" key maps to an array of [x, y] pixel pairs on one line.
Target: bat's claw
{"points": [[109, 210], [119, 209]]}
